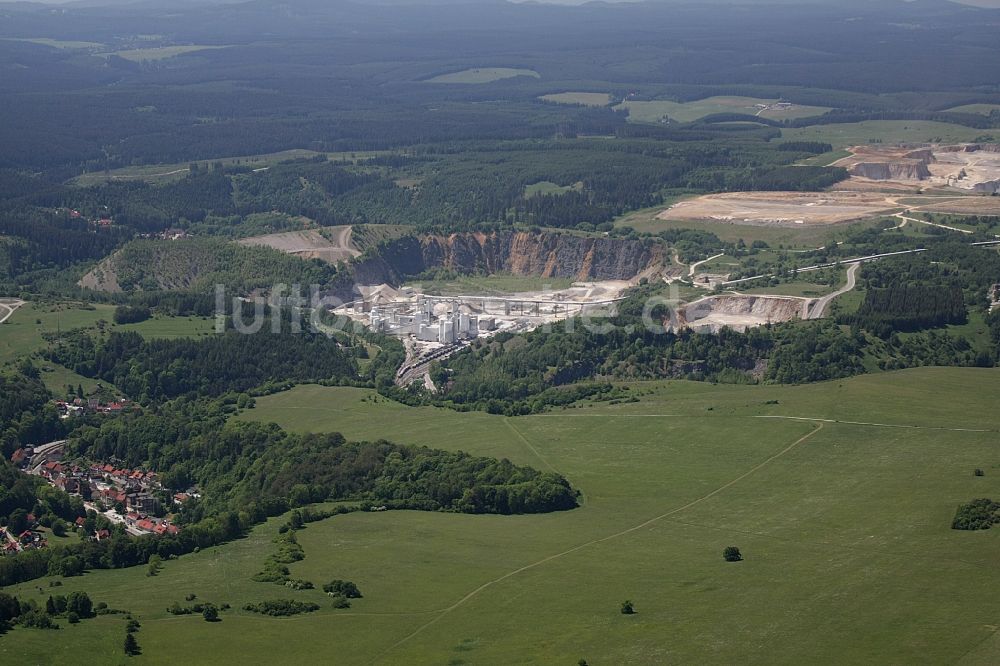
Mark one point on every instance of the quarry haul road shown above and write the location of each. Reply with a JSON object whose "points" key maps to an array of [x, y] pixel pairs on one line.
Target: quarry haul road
{"points": [[905, 219], [821, 304], [443, 612], [696, 264]]}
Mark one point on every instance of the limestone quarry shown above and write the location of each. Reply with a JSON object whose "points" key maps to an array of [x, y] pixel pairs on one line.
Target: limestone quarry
{"points": [[582, 258], [972, 167], [739, 312], [785, 209]]}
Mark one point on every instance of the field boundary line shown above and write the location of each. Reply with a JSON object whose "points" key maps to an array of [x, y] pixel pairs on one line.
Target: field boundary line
{"points": [[877, 425], [510, 424], [531, 448], [592, 542]]}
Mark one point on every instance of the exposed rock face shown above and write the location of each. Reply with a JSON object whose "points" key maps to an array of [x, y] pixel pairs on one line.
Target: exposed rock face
{"points": [[972, 148], [517, 253], [989, 187], [892, 163], [711, 314], [911, 166]]}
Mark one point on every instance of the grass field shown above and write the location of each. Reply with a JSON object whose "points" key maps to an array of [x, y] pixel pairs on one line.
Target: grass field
{"points": [[68, 45], [21, 335], [161, 52], [498, 283], [483, 75], [888, 131], [164, 173], [826, 159], [172, 327], [547, 187], [685, 112], [985, 109], [579, 98], [844, 525]]}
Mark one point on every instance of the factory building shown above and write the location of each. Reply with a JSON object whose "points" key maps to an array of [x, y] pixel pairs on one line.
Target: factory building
{"points": [[447, 329]]}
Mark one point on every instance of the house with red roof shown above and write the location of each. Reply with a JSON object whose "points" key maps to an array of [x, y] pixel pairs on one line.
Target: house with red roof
{"points": [[146, 525]]}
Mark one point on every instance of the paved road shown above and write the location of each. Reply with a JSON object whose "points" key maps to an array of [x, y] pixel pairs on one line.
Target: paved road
{"points": [[819, 307]]}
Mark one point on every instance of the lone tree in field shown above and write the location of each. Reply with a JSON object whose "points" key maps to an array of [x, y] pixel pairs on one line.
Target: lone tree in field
{"points": [[627, 608], [732, 554]]}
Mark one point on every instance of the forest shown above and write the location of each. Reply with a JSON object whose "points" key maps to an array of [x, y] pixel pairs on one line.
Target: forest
{"points": [[26, 417], [905, 307], [158, 369], [309, 87]]}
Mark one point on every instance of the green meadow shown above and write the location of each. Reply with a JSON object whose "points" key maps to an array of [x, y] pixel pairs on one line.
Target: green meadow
{"points": [[578, 98], [161, 52], [839, 495], [164, 173], [483, 75], [844, 135], [686, 112], [984, 109], [547, 187], [23, 334]]}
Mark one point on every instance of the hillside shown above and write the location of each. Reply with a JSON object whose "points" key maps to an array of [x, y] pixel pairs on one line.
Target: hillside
{"points": [[538, 254], [843, 520], [198, 265]]}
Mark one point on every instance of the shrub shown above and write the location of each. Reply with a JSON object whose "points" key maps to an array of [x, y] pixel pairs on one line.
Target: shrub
{"points": [[36, 619], [979, 514], [281, 607], [342, 588], [732, 554], [628, 608]]}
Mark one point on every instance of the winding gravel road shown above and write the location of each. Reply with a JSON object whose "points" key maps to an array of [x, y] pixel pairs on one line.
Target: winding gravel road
{"points": [[819, 307]]}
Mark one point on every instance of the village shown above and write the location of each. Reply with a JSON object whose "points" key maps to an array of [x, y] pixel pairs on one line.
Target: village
{"points": [[133, 498], [105, 221], [81, 406]]}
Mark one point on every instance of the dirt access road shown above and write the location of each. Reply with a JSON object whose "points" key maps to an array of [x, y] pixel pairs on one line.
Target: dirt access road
{"points": [[7, 307], [817, 309]]}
